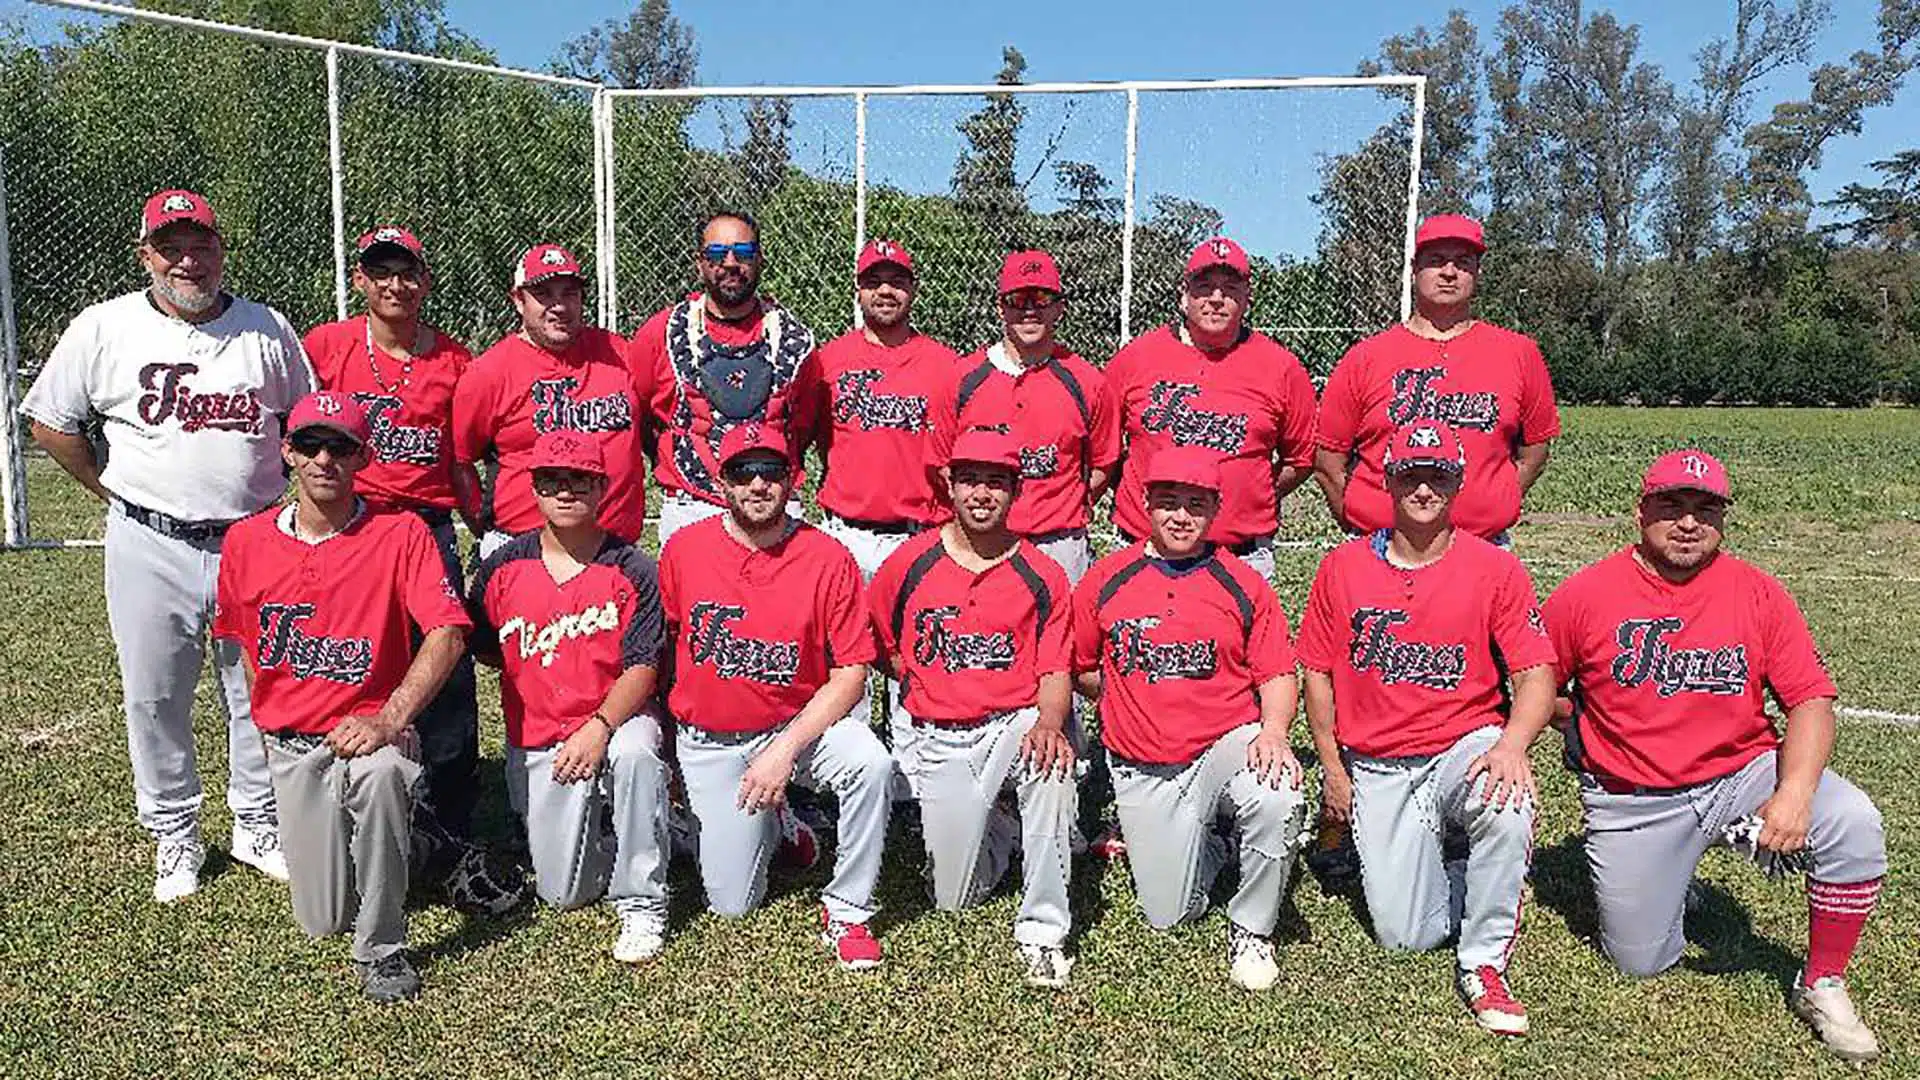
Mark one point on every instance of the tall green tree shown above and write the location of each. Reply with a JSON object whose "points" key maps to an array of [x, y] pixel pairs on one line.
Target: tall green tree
{"points": [[650, 48], [1451, 59], [984, 182]]}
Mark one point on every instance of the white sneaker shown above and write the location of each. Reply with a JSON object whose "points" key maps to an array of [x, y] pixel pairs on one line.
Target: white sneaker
{"points": [[1251, 956], [260, 849], [1827, 1008], [1046, 965], [176, 869], [640, 939]]}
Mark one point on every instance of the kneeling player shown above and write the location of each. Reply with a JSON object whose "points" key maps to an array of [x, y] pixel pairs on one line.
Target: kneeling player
{"points": [[771, 647], [571, 614], [1406, 636], [324, 597], [974, 622], [1186, 648], [1671, 647]]}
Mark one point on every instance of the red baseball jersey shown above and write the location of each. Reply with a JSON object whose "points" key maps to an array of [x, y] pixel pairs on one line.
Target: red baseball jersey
{"points": [[757, 632], [409, 407], [328, 627], [1063, 414], [679, 354], [874, 426], [1252, 403], [517, 392], [1489, 383], [967, 644], [1670, 681], [564, 644], [1181, 649], [1419, 657]]}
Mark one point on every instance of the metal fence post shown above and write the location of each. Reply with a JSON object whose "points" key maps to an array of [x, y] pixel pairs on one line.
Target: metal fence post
{"points": [[1126, 226], [1413, 195], [13, 480], [599, 115], [859, 188], [338, 172]]}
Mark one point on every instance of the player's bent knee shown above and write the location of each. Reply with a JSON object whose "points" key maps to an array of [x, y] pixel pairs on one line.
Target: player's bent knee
{"points": [[1642, 963], [1853, 845], [1411, 938]]}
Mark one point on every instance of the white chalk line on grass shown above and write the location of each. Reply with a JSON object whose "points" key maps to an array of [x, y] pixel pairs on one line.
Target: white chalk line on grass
{"points": [[1883, 716]]}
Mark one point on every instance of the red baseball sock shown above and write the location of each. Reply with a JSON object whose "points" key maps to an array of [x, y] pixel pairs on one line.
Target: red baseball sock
{"points": [[1835, 916]]}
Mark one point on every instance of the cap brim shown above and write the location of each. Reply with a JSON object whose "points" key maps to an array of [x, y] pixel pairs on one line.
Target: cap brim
{"points": [[383, 248], [330, 425], [1425, 463], [549, 276], [554, 466], [1196, 271], [1661, 489], [172, 222]]}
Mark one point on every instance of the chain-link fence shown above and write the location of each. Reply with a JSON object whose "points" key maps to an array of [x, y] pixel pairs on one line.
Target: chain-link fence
{"points": [[302, 144]]}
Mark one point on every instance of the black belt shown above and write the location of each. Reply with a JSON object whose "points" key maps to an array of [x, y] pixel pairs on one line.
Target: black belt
{"points": [[1051, 535], [884, 528], [1243, 548], [436, 517], [168, 525], [1613, 785]]}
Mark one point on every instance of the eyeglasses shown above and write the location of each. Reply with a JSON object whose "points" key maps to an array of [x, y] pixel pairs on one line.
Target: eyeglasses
{"points": [[409, 274], [1434, 260], [1029, 299], [310, 443], [551, 482], [746, 251], [772, 470]]}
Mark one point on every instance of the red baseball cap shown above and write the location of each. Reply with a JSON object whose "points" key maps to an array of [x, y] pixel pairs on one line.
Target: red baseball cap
{"points": [[568, 450], [330, 409], [985, 446], [1687, 470], [750, 437], [174, 205], [545, 261], [883, 251], [1450, 227], [1218, 251], [1029, 270], [390, 236], [1425, 442], [1193, 466]]}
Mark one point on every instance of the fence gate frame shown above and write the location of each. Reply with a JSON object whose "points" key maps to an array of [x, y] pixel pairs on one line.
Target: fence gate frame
{"points": [[602, 115]]}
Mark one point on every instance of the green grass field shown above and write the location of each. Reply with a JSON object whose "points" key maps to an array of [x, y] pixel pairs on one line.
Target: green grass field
{"points": [[97, 981]]}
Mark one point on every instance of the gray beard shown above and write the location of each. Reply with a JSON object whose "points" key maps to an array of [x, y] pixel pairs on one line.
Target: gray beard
{"points": [[192, 304]]}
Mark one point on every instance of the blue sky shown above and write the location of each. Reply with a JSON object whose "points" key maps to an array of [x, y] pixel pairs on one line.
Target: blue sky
{"points": [[1255, 158]]}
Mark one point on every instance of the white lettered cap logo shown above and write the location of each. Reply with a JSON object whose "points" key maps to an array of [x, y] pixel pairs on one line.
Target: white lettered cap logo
{"points": [[553, 258], [177, 204], [327, 404], [1695, 465], [881, 247], [1220, 249], [1424, 437], [387, 235]]}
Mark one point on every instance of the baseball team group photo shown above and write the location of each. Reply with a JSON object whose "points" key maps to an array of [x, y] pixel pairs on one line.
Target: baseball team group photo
{"points": [[873, 662]]}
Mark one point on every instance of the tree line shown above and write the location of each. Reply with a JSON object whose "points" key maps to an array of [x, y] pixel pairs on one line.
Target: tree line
{"points": [[1658, 239]]}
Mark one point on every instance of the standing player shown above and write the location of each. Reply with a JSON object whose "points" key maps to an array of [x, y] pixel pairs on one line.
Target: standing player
{"points": [[192, 384], [1407, 636], [403, 373], [974, 623], [1672, 647], [1058, 407], [1211, 381], [771, 647], [723, 357], [327, 598], [554, 374], [1488, 383], [1186, 648], [571, 615], [876, 384]]}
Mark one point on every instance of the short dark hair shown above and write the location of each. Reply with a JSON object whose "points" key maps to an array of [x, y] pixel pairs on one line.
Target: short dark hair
{"points": [[741, 216]]}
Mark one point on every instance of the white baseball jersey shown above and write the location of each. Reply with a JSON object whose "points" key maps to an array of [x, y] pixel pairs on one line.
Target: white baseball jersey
{"points": [[193, 411]]}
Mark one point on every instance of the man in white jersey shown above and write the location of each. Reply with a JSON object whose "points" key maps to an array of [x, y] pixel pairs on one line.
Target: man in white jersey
{"points": [[193, 385]]}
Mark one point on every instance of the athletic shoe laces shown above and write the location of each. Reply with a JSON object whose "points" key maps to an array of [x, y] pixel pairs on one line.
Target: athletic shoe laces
{"points": [[1493, 991]]}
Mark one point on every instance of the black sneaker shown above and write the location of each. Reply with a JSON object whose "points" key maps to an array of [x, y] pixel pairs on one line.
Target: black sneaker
{"points": [[389, 979], [478, 886]]}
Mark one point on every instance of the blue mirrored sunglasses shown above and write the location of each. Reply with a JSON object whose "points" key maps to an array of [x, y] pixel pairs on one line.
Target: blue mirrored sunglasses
{"points": [[745, 252]]}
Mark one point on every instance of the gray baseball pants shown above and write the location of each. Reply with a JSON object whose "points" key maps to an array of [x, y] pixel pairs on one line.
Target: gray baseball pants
{"points": [[1401, 807], [1070, 548], [961, 772], [574, 864], [870, 549], [1642, 849], [735, 846], [1168, 812], [160, 598], [344, 832]]}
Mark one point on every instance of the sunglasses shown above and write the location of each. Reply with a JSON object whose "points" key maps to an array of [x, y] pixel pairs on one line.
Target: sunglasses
{"points": [[551, 482], [310, 443], [772, 470], [717, 253], [1029, 300]]}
